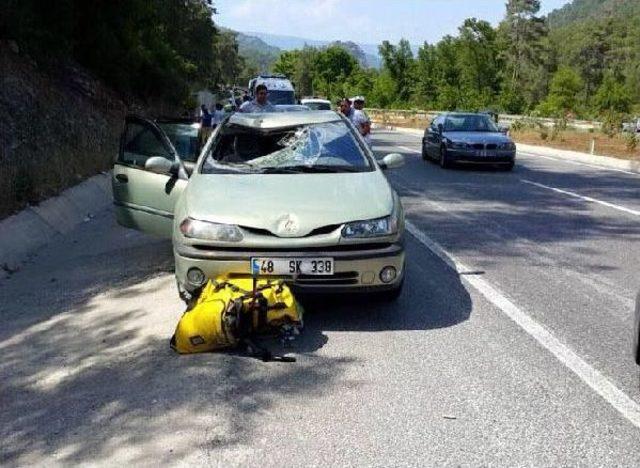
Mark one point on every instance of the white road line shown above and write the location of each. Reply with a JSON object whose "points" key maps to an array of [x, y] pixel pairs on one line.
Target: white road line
{"points": [[582, 197], [588, 374], [576, 163]]}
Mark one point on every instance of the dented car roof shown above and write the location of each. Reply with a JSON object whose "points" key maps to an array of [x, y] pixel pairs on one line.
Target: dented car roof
{"points": [[269, 120]]}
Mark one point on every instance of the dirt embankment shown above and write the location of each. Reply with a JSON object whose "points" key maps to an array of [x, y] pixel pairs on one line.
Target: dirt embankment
{"points": [[58, 126]]}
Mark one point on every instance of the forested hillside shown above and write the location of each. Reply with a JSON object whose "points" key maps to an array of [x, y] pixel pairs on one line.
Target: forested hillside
{"points": [[151, 50], [259, 56], [71, 69], [583, 61], [580, 10]]}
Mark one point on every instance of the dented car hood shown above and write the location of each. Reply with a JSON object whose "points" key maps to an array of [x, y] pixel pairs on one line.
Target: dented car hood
{"points": [[268, 201]]}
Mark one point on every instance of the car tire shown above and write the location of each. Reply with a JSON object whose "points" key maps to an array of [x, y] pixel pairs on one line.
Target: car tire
{"points": [[444, 161], [508, 167], [425, 156]]}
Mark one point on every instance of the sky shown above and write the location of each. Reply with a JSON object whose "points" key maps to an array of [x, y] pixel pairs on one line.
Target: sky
{"points": [[362, 21]]}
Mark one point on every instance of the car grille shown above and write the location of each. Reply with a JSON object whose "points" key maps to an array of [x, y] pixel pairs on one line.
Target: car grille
{"points": [[316, 232], [329, 249], [481, 146], [350, 277]]}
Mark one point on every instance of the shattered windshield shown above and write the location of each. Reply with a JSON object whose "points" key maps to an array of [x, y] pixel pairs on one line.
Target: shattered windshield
{"points": [[326, 147]]}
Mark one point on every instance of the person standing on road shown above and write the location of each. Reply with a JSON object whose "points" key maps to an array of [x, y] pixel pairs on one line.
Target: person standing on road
{"points": [[206, 119], [260, 103], [218, 115], [362, 122], [357, 116], [358, 103], [345, 108]]}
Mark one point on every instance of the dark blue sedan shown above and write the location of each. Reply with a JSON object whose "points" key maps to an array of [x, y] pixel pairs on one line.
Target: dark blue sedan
{"points": [[467, 138]]}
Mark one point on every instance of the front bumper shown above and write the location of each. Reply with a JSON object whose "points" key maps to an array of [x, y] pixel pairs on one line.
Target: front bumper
{"points": [[356, 269], [485, 157]]}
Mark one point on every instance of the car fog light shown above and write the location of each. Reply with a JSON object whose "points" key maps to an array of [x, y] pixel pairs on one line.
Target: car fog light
{"points": [[388, 274], [196, 277]]}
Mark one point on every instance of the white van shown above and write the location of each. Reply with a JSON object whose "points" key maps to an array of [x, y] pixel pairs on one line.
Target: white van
{"points": [[280, 88]]}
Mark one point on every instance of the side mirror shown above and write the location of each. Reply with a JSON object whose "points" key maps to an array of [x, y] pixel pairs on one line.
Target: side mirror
{"points": [[161, 165], [189, 167], [503, 129], [392, 161], [440, 129]]}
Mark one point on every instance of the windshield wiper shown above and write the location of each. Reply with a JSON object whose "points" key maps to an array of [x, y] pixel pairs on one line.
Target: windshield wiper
{"points": [[281, 170], [303, 169]]}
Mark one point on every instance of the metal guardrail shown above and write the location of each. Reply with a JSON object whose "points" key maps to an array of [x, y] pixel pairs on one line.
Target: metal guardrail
{"points": [[419, 116]]}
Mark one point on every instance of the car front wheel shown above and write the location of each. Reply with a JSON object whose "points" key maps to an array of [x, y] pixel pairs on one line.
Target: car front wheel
{"points": [[444, 161]]}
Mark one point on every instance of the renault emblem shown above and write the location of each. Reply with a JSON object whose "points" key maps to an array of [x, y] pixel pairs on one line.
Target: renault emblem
{"points": [[288, 225]]}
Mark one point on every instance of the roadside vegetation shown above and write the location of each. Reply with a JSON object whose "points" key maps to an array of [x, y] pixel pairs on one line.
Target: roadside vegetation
{"points": [[581, 62], [71, 69]]}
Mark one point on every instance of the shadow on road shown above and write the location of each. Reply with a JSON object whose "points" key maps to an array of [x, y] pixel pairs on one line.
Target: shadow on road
{"points": [[105, 391], [500, 213], [433, 297]]}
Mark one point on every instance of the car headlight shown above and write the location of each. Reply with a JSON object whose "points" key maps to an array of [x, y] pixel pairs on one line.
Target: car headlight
{"points": [[205, 230], [371, 228], [457, 145], [509, 145]]}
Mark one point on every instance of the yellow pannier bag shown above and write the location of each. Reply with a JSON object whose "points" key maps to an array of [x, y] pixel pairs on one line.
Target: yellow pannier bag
{"points": [[227, 312]]}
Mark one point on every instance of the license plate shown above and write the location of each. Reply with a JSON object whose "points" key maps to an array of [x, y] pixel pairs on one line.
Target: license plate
{"points": [[265, 266], [481, 153]]}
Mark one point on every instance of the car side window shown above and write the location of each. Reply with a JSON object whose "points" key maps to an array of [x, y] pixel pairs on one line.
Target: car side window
{"points": [[140, 143]]}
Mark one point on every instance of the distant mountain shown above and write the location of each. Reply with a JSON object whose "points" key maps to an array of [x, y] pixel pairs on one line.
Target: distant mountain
{"points": [[366, 54], [371, 57], [354, 50], [256, 52], [582, 10], [287, 42]]}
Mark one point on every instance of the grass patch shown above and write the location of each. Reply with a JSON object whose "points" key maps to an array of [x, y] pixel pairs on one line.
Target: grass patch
{"points": [[618, 146]]}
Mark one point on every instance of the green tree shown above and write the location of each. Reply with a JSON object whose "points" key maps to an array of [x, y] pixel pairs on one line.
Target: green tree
{"points": [[563, 93], [383, 92], [287, 62], [426, 86], [612, 96], [333, 66], [227, 65], [478, 63], [447, 74], [304, 71], [398, 61], [521, 36], [157, 49]]}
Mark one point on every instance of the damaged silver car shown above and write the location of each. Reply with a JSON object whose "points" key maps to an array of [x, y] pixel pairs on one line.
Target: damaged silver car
{"points": [[298, 196]]}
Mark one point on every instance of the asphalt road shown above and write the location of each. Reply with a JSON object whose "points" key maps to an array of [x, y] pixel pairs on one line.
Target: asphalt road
{"points": [[509, 347]]}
